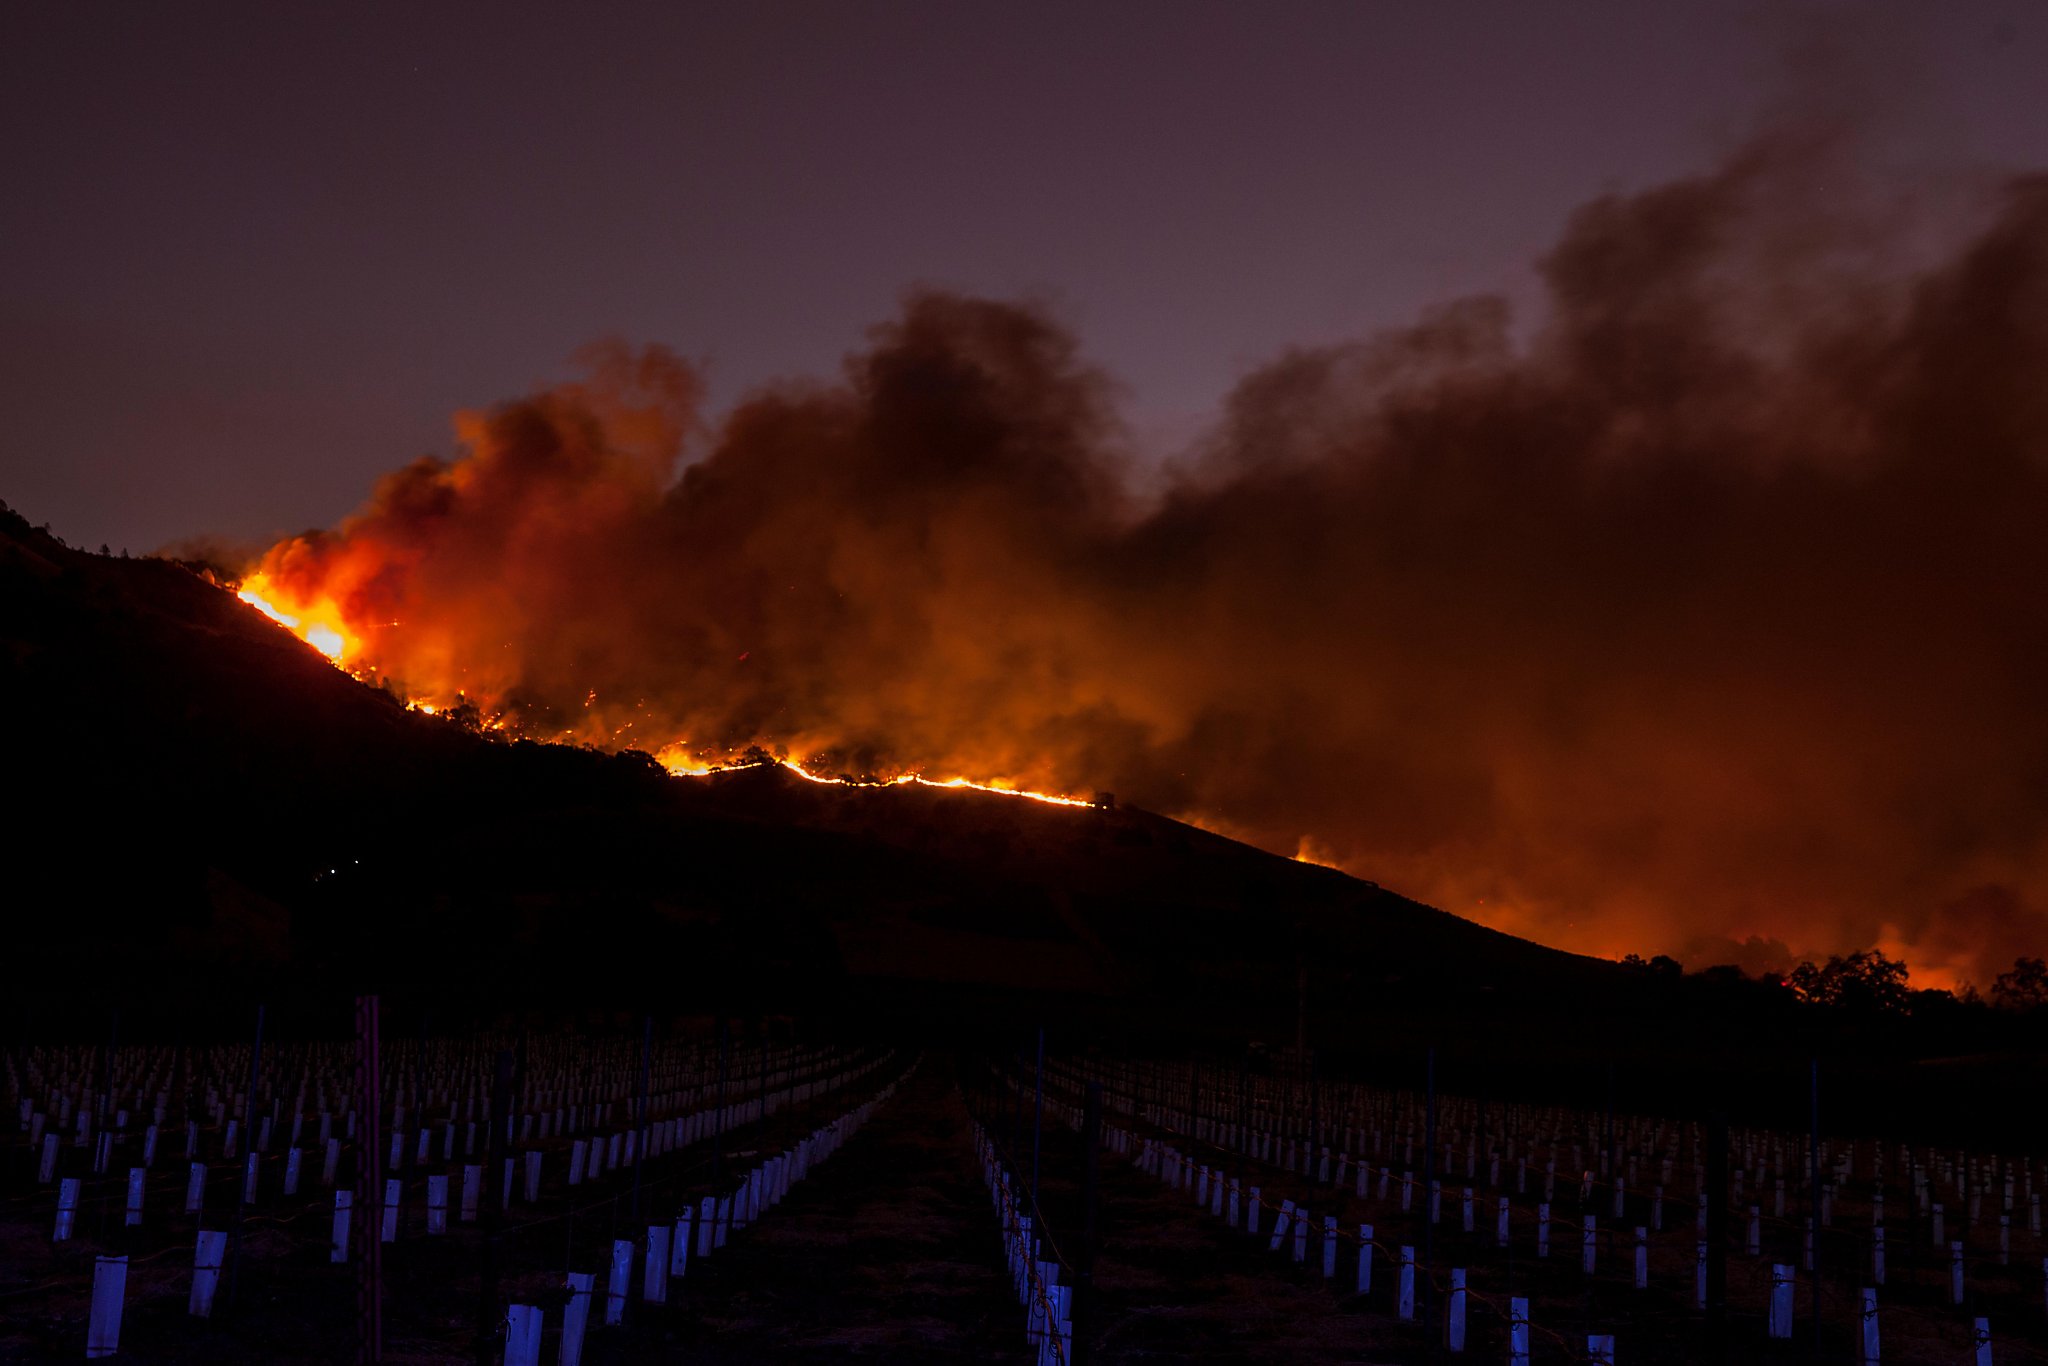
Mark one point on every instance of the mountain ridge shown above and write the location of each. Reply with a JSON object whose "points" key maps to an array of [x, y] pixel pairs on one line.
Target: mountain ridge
{"points": [[208, 814], [259, 799]]}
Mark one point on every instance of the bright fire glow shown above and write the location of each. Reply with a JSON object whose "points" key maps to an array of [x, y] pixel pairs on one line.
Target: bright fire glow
{"points": [[922, 781], [319, 624], [680, 763], [1310, 850]]}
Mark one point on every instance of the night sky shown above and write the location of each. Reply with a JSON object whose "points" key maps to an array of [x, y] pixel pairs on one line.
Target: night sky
{"points": [[1581, 465], [254, 255]]}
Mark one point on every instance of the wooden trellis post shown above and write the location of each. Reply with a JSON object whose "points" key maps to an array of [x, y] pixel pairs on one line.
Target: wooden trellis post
{"points": [[370, 1265]]}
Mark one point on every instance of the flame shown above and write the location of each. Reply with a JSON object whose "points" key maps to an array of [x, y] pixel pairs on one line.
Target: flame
{"points": [[1000, 789], [1312, 850], [318, 623], [681, 762]]}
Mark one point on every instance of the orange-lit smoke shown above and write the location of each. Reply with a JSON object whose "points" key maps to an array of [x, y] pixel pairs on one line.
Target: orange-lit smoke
{"points": [[1708, 620]]}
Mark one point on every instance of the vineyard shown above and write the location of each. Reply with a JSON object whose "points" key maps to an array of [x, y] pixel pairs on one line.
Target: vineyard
{"points": [[605, 1193]]}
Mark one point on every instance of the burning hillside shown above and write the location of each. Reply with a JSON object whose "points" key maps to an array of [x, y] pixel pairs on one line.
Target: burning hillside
{"points": [[1707, 614]]}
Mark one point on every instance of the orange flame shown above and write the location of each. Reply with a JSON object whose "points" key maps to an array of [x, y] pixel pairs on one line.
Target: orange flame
{"points": [[682, 763], [318, 623]]}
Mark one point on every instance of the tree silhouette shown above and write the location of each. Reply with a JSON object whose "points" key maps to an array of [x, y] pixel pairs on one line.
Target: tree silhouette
{"points": [[2024, 988], [1865, 981]]}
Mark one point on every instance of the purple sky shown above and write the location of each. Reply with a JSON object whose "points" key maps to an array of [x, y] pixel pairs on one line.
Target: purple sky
{"points": [[250, 258]]}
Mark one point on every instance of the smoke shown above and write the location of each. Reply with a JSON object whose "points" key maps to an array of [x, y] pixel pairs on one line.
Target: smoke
{"points": [[1706, 618]]}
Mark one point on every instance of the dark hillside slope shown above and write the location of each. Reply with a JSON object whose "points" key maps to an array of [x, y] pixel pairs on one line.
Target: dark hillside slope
{"points": [[203, 800], [203, 813]]}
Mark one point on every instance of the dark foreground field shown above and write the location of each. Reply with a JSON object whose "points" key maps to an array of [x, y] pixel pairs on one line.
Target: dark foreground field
{"points": [[889, 1253], [891, 1249], [241, 823]]}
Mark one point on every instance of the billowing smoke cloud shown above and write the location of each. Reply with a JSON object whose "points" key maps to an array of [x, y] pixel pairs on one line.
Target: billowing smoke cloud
{"points": [[1709, 619]]}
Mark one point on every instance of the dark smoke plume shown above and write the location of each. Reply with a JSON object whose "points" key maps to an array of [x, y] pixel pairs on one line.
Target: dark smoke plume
{"points": [[1711, 613]]}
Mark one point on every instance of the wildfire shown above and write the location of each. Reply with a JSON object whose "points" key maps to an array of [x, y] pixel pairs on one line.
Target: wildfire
{"points": [[681, 763], [318, 624], [998, 789], [1311, 850], [922, 781]]}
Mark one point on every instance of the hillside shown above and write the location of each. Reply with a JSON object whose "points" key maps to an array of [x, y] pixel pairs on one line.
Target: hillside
{"points": [[207, 813], [207, 800]]}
